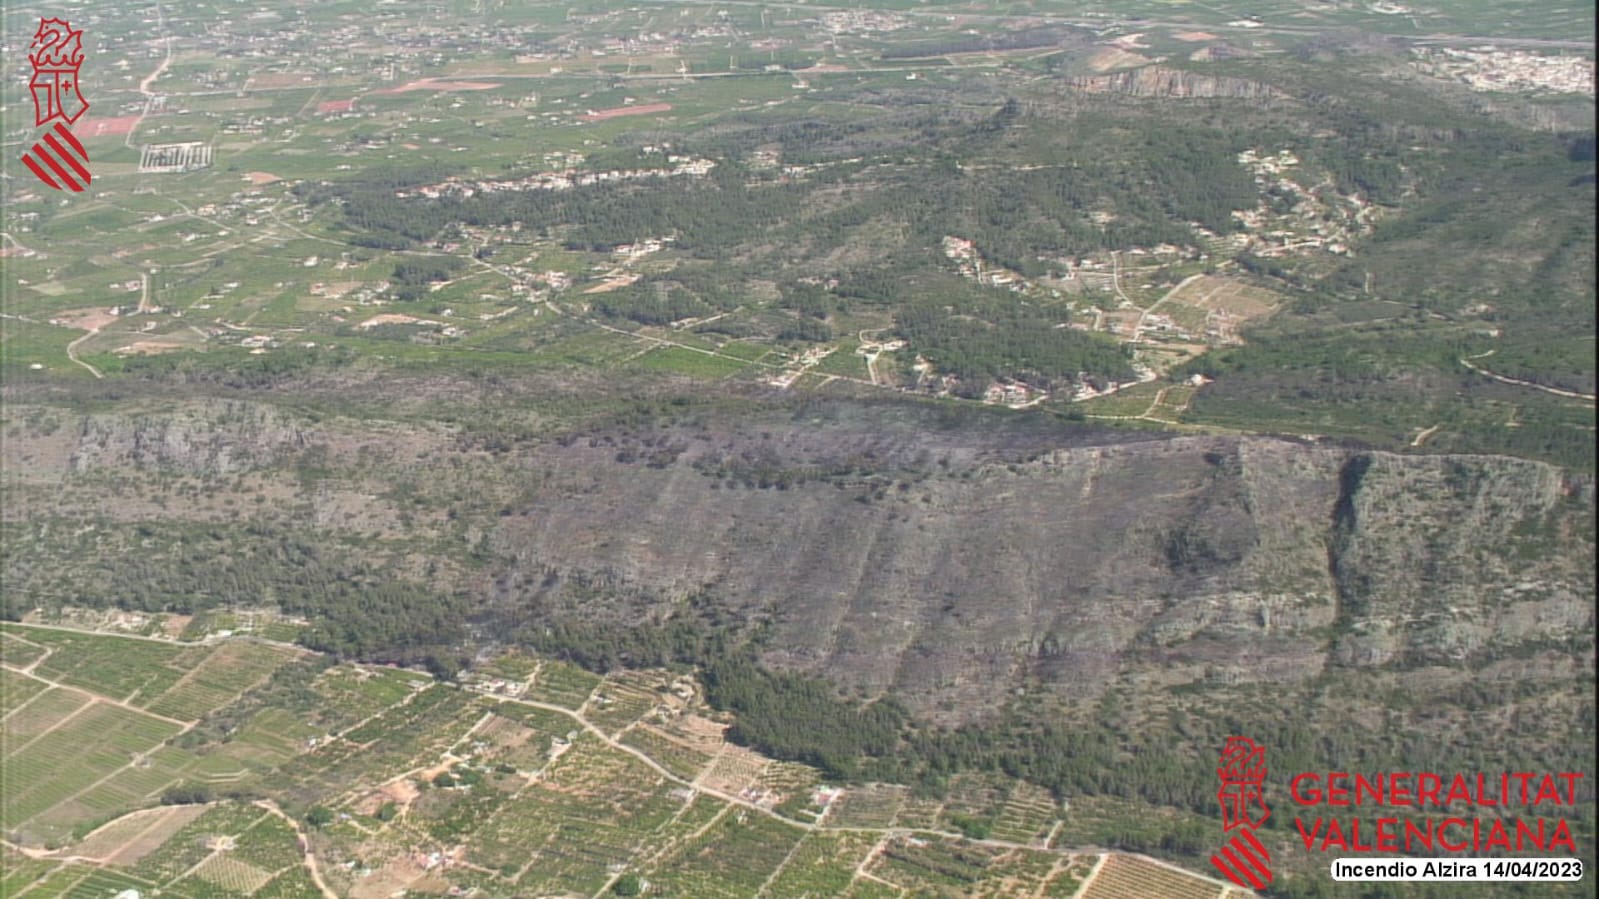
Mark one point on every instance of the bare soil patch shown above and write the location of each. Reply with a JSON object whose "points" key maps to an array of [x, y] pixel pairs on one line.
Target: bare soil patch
{"points": [[149, 347], [431, 84], [268, 80], [175, 624], [387, 318], [87, 319], [1228, 303], [133, 836], [395, 876], [401, 792], [610, 284], [111, 127], [1115, 58], [614, 112]]}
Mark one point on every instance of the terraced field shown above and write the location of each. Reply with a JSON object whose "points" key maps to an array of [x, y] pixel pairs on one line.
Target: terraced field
{"points": [[400, 782], [1130, 877]]}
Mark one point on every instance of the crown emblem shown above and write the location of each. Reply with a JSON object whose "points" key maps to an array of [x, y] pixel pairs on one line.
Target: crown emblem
{"points": [[1242, 762], [56, 45]]}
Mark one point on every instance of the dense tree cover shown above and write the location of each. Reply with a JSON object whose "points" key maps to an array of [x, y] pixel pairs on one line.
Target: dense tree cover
{"points": [[650, 303], [1178, 175], [810, 300], [980, 335], [187, 793], [386, 621], [413, 278], [787, 716], [1496, 217], [239, 371], [358, 610], [792, 716], [1021, 219], [689, 291], [422, 273], [806, 329], [1194, 174], [1376, 381], [908, 183]]}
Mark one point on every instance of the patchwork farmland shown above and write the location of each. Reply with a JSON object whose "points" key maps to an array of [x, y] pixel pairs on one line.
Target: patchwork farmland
{"points": [[149, 763]]}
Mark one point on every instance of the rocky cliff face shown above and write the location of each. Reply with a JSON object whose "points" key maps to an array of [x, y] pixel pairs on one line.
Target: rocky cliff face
{"points": [[1225, 559], [213, 438], [1158, 81], [950, 565]]}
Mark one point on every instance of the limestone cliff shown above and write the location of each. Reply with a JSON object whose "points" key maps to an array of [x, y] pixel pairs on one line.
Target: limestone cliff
{"points": [[950, 565]]}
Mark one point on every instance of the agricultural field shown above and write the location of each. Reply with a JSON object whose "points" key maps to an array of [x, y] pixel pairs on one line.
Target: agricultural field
{"points": [[402, 782], [246, 257], [1126, 877]]}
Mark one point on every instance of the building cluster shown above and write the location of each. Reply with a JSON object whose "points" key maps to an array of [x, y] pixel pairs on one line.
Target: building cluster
{"points": [[680, 166], [1491, 69], [970, 265], [1316, 218], [857, 21]]}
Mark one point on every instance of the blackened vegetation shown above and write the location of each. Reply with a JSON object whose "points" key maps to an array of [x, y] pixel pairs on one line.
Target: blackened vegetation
{"points": [[1219, 531], [1350, 586]]}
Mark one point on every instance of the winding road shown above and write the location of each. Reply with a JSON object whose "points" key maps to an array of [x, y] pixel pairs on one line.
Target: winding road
{"points": [[1503, 379]]}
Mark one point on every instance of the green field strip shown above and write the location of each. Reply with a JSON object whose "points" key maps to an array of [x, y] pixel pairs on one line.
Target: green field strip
{"points": [[929, 865], [114, 667], [66, 760], [614, 706], [561, 684], [58, 883], [594, 808], [18, 872], [294, 883], [15, 650], [689, 362], [17, 689], [683, 761], [823, 864], [219, 679], [869, 806], [44, 711], [732, 859], [863, 888]]}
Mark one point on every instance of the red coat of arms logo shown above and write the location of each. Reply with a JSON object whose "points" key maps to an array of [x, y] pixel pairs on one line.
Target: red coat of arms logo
{"points": [[1243, 778], [58, 159], [56, 54], [1244, 860]]}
